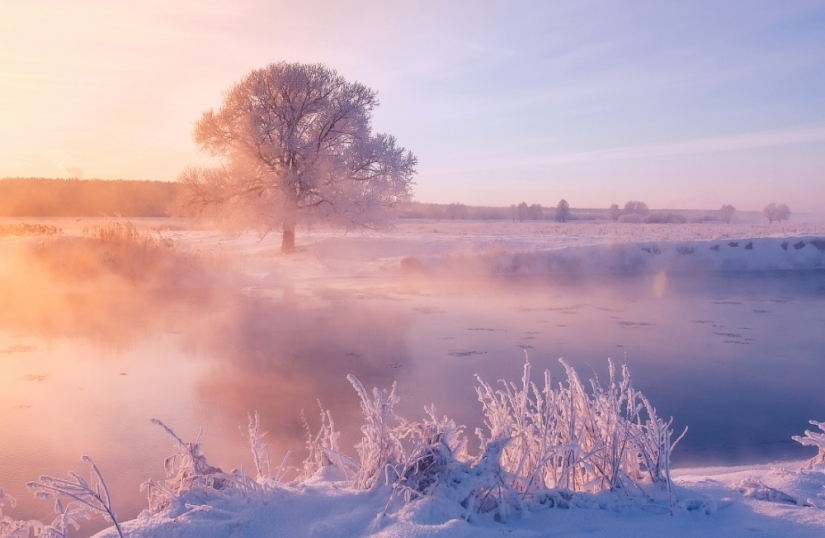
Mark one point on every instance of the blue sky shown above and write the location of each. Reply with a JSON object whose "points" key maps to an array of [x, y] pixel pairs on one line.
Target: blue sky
{"points": [[680, 104]]}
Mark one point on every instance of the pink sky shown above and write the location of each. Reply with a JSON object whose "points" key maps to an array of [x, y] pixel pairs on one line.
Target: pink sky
{"points": [[597, 102]]}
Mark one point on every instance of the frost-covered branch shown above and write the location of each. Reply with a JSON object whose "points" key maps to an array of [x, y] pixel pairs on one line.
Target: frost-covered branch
{"points": [[260, 451], [323, 449], [816, 439], [14, 528], [83, 499], [380, 449], [189, 474]]}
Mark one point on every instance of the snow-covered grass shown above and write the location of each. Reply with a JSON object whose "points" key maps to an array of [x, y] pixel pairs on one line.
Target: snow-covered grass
{"points": [[125, 251], [75, 500], [547, 455], [538, 247], [18, 229]]}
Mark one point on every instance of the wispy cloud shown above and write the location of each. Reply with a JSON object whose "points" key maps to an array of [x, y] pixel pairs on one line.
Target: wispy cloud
{"points": [[761, 139]]}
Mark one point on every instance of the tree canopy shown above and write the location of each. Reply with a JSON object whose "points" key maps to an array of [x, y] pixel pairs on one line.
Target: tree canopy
{"points": [[295, 145], [726, 213], [562, 211], [778, 212], [635, 207]]}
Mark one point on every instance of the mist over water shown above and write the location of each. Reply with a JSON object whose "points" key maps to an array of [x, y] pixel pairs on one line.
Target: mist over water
{"points": [[85, 362]]}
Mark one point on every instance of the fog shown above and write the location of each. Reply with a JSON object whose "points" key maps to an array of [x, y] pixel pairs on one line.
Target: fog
{"points": [[98, 335]]}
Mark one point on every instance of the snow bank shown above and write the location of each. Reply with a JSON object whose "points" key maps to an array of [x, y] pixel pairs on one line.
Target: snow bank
{"points": [[723, 502], [755, 254]]}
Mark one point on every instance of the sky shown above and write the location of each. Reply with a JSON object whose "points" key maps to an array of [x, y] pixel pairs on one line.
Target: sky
{"points": [[679, 104]]}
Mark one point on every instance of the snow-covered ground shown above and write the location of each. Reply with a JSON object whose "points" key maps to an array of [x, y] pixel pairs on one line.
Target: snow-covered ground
{"points": [[534, 247], [724, 502], [764, 500]]}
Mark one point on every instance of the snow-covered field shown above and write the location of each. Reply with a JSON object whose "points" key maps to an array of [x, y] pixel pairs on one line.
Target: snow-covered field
{"points": [[495, 247], [769, 500]]}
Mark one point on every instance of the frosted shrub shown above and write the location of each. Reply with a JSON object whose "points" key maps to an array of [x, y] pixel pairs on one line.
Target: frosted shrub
{"points": [[82, 500], [816, 439], [188, 472], [538, 445], [380, 449], [12, 528], [570, 439], [260, 451], [437, 447], [74, 500], [323, 450], [126, 252]]}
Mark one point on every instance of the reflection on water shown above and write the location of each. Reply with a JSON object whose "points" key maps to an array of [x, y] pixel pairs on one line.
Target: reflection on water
{"points": [[737, 358]]}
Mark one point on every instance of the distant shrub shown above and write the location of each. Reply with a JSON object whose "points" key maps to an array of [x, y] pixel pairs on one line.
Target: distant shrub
{"points": [[123, 250], [664, 218], [703, 218], [630, 219], [18, 229]]}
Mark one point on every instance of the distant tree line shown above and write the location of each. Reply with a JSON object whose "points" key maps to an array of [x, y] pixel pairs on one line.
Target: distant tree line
{"points": [[635, 211], [420, 210], [516, 212], [42, 197]]}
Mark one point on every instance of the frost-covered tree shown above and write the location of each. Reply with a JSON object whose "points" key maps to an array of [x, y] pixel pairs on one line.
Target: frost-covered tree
{"points": [[295, 146], [614, 212], [523, 210], [726, 213], [635, 207], [562, 211], [778, 212]]}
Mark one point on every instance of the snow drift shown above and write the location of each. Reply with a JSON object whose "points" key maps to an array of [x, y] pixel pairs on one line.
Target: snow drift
{"points": [[757, 254]]}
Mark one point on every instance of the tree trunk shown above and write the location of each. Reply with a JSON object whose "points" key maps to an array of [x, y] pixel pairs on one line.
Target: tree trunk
{"points": [[288, 239]]}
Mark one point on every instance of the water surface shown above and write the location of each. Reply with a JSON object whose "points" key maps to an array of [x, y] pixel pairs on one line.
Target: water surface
{"points": [[739, 358]]}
